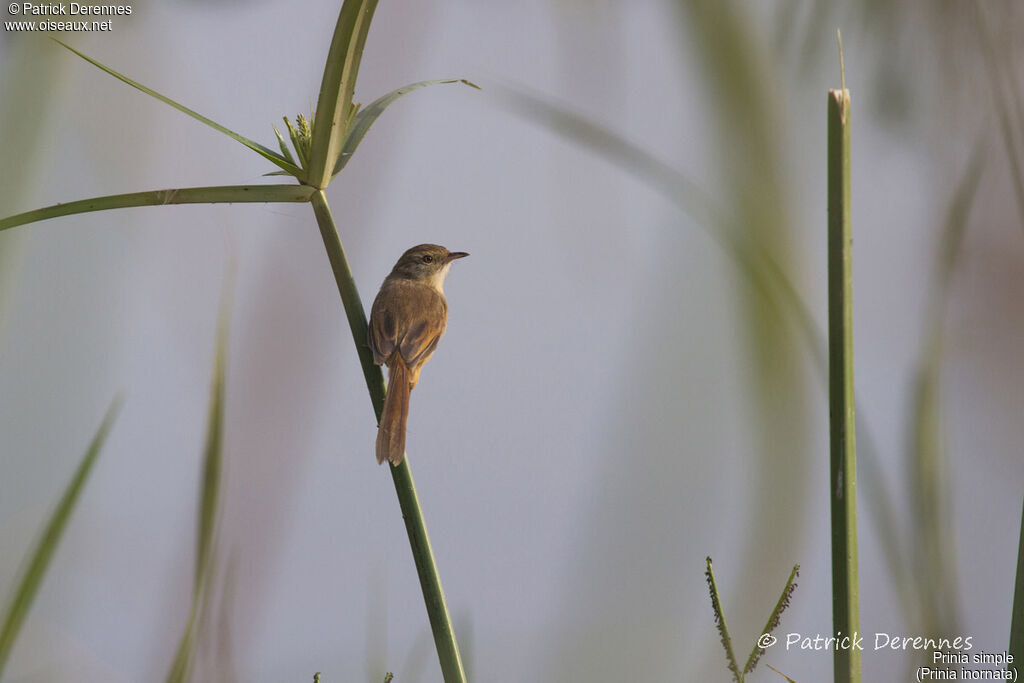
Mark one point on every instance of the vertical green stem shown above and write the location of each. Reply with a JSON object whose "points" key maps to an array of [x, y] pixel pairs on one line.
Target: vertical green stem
{"points": [[843, 481], [349, 298], [419, 541], [430, 580], [1017, 620], [723, 630]]}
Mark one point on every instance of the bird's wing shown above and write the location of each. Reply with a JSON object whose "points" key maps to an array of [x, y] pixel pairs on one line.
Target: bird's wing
{"points": [[409, 318], [425, 319], [382, 334]]}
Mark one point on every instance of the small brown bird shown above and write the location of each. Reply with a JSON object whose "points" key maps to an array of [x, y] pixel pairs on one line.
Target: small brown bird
{"points": [[407, 320]]}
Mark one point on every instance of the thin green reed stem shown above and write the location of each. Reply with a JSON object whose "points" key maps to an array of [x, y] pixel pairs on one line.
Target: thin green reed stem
{"points": [[430, 580], [419, 541], [1017, 620], [349, 298], [181, 195], [723, 630], [843, 482]]}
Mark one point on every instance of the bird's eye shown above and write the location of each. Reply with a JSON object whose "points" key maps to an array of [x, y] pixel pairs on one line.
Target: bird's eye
{"points": [[427, 258]]}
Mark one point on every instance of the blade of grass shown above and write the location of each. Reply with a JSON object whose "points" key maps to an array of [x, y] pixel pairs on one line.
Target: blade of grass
{"points": [[181, 667], [334, 106], [763, 272], [265, 152], [780, 673], [936, 585], [997, 78], [687, 195], [746, 113], [843, 479], [46, 546], [213, 453], [284, 149], [185, 195], [24, 65], [369, 114], [220, 620]]}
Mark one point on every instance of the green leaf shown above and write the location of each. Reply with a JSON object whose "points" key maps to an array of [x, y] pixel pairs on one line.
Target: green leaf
{"points": [[213, 453], [300, 136], [182, 664], [368, 115], [333, 109], [267, 153], [934, 538], [1006, 93], [184, 195], [46, 546], [284, 148], [780, 673], [208, 504]]}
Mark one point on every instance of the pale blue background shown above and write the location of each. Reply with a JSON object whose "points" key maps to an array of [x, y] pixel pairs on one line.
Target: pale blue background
{"points": [[584, 435]]}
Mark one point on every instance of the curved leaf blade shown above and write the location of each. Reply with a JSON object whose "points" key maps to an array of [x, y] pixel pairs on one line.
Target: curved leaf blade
{"points": [[46, 546], [265, 152], [284, 146], [209, 497], [217, 194], [369, 114]]}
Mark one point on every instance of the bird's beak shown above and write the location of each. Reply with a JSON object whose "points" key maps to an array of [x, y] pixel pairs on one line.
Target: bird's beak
{"points": [[456, 254]]}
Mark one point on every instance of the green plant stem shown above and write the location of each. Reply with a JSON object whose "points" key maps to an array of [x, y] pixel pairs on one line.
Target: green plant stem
{"points": [[334, 107], [419, 541], [184, 195], [723, 630], [349, 298], [774, 618], [843, 481], [1017, 620]]}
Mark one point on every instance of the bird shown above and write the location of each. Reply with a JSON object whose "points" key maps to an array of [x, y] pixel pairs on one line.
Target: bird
{"points": [[407, 319]]}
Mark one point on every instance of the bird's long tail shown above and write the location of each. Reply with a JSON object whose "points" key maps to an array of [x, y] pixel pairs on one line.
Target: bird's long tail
{"points": [[391, 433]]}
